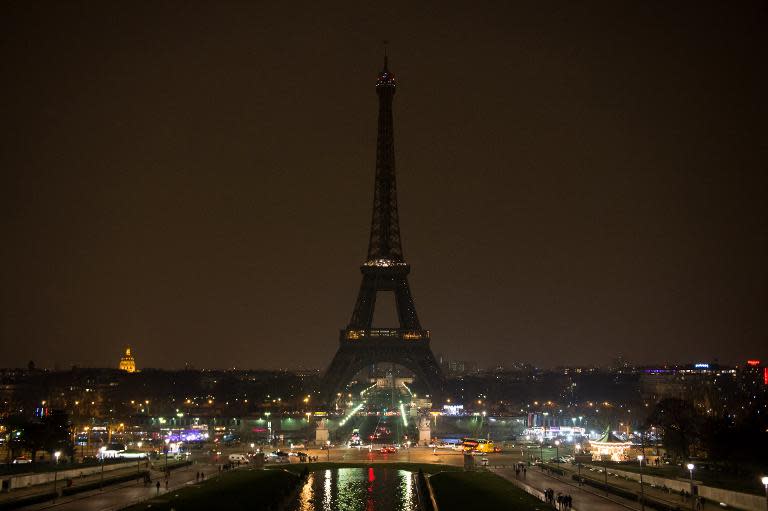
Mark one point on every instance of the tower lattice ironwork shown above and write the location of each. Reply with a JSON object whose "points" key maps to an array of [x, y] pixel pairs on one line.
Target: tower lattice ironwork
{"points": [[361, 344]]}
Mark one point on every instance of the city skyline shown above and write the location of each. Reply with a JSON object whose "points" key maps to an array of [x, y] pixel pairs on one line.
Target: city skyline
{"points": [[205, 199]]}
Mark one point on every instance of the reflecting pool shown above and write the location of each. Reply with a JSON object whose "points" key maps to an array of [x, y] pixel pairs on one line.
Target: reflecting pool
{"points": [[353, 489]]}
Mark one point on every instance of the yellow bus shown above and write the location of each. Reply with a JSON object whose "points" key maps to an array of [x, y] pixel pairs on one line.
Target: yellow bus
{"points": [[477, 445]]}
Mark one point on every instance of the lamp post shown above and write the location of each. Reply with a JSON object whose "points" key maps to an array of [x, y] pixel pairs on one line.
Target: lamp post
{"points": [[328, 449], [138, 460], [690, 468], [557, 452], [642, 490], [55, 473], [541, 452], [167, 442], [764, 480], [101, 451]]}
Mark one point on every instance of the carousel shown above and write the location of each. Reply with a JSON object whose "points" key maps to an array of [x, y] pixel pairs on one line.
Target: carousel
{"points": [[609, 447]]}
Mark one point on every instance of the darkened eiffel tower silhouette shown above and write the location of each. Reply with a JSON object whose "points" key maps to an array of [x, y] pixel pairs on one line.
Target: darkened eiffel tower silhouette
{"points": [[361, 345]]}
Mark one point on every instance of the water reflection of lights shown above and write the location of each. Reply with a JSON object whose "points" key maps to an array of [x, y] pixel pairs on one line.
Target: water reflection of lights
{"points": [[408, 502], [358, 489], [305, 499], [327, 494]]}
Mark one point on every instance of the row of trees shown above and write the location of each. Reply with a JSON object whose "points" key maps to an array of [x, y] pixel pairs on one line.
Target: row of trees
{"points": [[50, 434], [739, 440]]}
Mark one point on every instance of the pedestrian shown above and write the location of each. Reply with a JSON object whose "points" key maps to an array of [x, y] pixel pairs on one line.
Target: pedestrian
{"points": [[525, 470], [158, 486], [166, 485]]}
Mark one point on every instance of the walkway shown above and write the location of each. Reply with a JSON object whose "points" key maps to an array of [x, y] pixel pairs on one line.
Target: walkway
{"points": [[121, 495], [584, 499], [667, 497]]}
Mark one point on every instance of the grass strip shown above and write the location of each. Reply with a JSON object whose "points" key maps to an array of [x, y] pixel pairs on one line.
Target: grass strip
{"points": [[239, 490], [460, 491]]}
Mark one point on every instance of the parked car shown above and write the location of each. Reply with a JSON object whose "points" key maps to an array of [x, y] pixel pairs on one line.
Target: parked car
{"points": [[239, 458]]}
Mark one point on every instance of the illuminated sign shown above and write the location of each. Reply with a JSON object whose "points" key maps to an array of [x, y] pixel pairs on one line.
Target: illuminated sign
{"points": [[765, 375], [753, 363], [701, 366]]}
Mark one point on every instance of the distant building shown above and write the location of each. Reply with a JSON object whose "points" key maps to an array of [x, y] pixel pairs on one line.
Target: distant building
{"points": [[127, 362]]}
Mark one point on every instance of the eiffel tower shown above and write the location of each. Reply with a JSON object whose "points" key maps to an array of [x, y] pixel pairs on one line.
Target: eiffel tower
{"points": [[360, 344]]}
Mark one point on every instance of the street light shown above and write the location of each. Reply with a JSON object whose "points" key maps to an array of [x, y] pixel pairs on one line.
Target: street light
{"points": [[101, 451], [642, 491], [55, 473], [167, 444], [764, 480], [578, 465], [328, 448], [690, 467], [557, 452]]}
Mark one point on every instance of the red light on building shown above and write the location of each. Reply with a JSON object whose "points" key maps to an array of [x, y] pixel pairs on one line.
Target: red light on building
{"points": [[765, 375], [753, 363]]}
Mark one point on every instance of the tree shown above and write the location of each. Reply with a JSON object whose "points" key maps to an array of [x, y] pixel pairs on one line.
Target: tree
{"points": [[679, 424], [50, 434]]}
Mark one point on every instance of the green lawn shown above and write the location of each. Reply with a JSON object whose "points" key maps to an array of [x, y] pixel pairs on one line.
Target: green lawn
{"points": [[234, 491], [465, 490], [428, 468]]}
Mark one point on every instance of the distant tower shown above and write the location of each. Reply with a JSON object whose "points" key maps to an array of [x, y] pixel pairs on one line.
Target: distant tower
{"points": [[361, 343], [127, 363]]}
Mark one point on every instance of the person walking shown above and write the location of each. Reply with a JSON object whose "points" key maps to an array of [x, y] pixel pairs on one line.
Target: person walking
{"points": [[158, 486]]}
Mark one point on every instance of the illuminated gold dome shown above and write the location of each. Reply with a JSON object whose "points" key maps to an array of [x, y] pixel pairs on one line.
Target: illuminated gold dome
{"points": [[127, 363]]}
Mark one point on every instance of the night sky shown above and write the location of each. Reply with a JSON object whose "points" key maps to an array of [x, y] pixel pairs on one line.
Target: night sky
{"points": [[576, 180]]}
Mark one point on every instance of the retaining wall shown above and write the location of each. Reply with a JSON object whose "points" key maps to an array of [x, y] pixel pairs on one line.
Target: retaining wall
{"points": [[25, 480], [742, 501]]}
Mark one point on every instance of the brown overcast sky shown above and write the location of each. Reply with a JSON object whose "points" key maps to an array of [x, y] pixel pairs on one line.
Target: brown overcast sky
{"points": [[577, 180]]}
